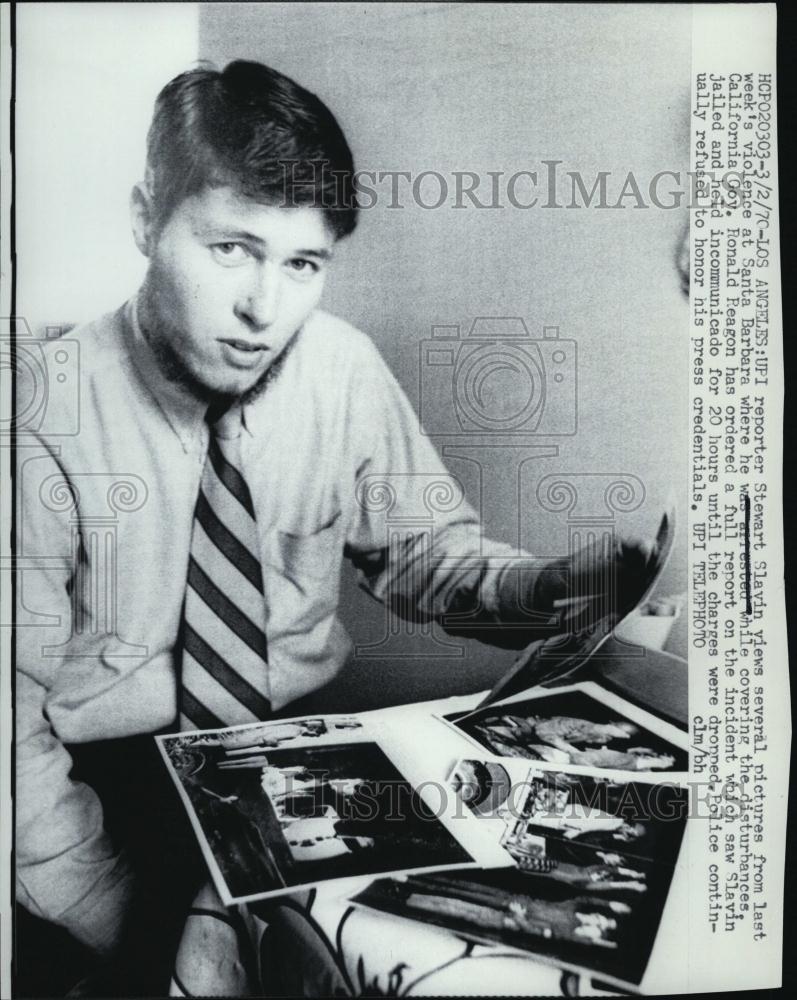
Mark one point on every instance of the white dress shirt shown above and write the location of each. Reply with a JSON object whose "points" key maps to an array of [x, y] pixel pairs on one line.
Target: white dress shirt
{"points": [[336, 463]]}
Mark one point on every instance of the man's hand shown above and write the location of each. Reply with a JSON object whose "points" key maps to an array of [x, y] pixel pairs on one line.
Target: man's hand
{"points": [[609, 578]]}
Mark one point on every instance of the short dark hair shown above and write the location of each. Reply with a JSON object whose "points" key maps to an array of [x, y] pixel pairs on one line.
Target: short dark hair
{"points": [[256, 130]]}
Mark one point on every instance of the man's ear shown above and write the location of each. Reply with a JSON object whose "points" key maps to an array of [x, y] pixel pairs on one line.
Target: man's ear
{"points": [[142, 217]]}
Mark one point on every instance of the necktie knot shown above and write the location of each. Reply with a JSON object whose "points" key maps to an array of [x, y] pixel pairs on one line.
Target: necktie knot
{"points": [[224, 420]]}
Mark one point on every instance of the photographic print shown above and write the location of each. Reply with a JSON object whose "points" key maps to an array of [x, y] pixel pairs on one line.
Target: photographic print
{"points": [[643, 820], [579, 907], [573, 726], [271, 822], [238, 740]]}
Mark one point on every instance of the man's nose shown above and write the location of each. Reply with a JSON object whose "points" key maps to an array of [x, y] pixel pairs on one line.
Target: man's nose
{"points": [[259, 299]]}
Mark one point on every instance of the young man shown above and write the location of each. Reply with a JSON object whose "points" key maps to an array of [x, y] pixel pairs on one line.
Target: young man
{"points": [[240, 442]]}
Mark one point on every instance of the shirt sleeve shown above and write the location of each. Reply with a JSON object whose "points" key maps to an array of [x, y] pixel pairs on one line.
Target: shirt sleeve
{"points": [[67, 871], [416, 541]]}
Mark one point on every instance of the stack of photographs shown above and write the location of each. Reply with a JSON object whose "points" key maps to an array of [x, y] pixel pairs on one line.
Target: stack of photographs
{"points": [[569, 858]]}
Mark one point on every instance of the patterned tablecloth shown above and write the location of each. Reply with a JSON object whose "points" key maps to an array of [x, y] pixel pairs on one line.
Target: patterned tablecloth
{"points": [[317, 943]]}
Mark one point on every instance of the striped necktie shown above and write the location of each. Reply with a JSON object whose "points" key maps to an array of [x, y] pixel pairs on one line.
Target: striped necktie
{"points": [[224, 651]]}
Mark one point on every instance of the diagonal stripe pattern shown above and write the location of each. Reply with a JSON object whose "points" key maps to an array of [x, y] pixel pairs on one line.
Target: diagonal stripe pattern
{"points": [[224, 675]]}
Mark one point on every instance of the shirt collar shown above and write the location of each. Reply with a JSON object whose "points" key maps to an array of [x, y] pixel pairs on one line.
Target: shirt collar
{"points": [[184, 412]]}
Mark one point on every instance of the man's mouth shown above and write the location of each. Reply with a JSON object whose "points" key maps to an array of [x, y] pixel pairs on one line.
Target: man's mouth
{"points": [[244, 345], [246, 355]]}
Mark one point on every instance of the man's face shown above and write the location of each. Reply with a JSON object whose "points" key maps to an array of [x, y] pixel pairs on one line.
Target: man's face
{"points": [[230, 282]]}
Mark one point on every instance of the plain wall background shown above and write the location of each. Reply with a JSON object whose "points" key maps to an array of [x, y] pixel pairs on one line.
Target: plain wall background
{"points": [[87, 77], [502, 87]]}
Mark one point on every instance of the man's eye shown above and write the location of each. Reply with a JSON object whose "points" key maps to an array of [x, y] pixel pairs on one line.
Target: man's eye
{"points": [[229, 252], [302, 267]]}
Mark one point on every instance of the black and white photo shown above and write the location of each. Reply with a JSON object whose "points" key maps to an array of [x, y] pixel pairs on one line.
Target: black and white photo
{"points": [[295, 817], [390, 499], [574, 727], [592, 911]]}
